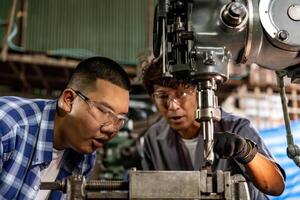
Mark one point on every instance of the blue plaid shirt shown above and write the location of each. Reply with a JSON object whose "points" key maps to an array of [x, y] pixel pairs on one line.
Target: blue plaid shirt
{"points": [[26, 143]]}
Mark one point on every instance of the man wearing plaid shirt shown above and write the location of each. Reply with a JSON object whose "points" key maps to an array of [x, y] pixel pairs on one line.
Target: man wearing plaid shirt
{"points": [[46, 140]]}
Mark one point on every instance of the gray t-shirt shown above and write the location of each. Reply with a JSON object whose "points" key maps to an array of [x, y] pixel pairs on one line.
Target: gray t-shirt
{"points": [[163, 150], [191, 145]]}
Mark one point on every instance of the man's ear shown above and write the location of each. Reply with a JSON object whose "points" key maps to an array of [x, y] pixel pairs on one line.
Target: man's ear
{"points": [[66, 100]]}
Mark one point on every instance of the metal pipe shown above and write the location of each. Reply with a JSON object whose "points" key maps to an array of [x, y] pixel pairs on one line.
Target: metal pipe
{"points": [[57, 185], [293, 150]]}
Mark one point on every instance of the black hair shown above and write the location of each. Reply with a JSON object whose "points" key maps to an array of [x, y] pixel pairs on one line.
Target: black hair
{"points": [[93, 68]]}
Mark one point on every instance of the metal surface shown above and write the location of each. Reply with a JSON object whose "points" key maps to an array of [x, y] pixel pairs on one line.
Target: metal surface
{"points": [[207, 112], [75, 187], [164, 185], [247, 44], [280, 20], [210, 30], [294, 12], [157, 185]]}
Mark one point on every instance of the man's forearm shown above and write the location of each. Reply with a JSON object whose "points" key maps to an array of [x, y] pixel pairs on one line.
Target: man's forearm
{"points": [[265, 175]]}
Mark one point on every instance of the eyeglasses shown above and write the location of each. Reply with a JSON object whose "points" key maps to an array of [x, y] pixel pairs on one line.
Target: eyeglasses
{"points": [[179, 96], [118, 121]]}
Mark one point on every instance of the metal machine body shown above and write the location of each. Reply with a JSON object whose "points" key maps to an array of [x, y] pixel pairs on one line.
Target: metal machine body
{"points": [[199, 39], [249, 30], [156, 185]]}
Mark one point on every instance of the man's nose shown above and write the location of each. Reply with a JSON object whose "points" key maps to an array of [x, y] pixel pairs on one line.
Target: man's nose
{"points": [[109, 129], [173, 104]]}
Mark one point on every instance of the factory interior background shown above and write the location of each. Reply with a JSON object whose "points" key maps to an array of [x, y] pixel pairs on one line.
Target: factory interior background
{"points": [[43, 40]]}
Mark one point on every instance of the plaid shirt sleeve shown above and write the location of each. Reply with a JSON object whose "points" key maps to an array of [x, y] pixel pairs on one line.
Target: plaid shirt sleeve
{"points": [[18, 128], [26, 141]]}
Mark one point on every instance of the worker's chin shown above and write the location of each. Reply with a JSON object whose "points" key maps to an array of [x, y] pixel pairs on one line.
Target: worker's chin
{"points": [[181, 125], [87, 149]]}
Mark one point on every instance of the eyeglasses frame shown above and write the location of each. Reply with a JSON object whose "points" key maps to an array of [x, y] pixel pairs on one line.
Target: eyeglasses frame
{"points": [[111, 113]]}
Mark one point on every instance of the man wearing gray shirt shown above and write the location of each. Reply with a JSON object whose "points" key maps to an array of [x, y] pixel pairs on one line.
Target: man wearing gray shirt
{"points": [[176, 142]]}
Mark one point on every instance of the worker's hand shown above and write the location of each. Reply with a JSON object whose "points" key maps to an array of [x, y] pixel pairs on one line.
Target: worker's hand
{"points": [[228, 145]]}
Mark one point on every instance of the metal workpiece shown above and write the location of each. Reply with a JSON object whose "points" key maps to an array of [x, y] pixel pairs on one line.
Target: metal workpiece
{"points": [[157, 185], [164, 185], [187, 185]]}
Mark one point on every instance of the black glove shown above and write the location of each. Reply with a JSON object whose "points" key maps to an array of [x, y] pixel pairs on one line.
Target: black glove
{"points": [[228, 145]]}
